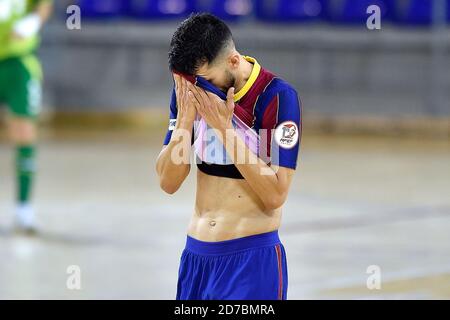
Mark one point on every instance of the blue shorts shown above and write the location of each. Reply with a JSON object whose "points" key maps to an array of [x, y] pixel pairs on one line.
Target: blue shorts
{"points": [[249, 268]]}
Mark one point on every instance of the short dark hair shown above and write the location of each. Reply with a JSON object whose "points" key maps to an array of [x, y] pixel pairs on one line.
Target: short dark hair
{"points": [[199, 39]]}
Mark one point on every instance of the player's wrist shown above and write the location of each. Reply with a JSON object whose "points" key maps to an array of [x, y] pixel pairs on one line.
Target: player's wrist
{"points": [[225, 127], [184, 123], [28, 26], [226, 133]]}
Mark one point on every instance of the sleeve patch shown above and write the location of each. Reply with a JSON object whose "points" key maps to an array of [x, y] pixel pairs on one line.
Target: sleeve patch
{"points": [[287, 134]]}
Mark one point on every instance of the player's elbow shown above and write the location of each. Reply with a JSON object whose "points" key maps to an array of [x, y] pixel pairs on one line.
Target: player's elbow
{"points": [[274, 202], [170, 183], [169, 186]]}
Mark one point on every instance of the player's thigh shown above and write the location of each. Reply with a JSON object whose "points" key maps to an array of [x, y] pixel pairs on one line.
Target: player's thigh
{"points": [[22, 95], [24, 91]]}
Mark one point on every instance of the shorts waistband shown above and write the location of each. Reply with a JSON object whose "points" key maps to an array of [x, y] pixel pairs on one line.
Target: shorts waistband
{"points": [[234, 245]]}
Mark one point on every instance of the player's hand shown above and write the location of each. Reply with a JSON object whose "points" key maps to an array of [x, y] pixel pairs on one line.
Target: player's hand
{"points": [[216, 112], [186, 109]]}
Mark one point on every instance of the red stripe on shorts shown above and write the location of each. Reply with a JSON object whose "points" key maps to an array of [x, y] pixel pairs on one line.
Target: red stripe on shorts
{"points": [[280, 273]]}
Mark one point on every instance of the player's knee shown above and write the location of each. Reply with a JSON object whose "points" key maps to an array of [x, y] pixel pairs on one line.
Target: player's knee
{"points": [[22, 131]]}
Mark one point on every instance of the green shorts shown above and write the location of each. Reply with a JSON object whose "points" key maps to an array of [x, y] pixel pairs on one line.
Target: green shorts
{"points": [[20, 86]]}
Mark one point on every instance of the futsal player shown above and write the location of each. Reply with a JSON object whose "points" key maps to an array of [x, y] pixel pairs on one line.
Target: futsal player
{"points": [[20, 91], [233, 250]]}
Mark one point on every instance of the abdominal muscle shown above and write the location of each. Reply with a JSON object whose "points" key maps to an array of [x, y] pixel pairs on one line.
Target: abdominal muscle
{"points": [[227, 209]]}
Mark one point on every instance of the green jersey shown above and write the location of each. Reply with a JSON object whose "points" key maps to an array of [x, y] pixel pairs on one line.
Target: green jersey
{"points": [[12, 11]]}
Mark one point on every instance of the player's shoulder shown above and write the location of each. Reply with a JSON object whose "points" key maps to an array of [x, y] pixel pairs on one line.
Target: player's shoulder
{"points": [[288, 100], [277, 85], [280, 87]]}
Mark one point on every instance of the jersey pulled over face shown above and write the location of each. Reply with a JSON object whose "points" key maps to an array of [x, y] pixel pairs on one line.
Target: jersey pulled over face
{"points": [[11, 11], [267, 117]]}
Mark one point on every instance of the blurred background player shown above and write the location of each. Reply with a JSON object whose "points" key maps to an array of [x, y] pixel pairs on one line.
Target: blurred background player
{"points": [[20, 90]]}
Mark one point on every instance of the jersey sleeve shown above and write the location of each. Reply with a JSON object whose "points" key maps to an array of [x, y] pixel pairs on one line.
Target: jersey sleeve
{"points": [[287, 134], [172, 117]]}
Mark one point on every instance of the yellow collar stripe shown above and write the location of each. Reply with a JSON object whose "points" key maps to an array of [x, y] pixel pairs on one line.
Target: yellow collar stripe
{"points": [[251, 80]]}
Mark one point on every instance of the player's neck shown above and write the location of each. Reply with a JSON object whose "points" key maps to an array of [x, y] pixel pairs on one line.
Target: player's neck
{"points": [[245, 72]]}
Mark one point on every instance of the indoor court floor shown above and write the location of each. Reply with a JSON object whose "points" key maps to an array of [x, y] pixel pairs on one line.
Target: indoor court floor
{"points": [[355, 202]]}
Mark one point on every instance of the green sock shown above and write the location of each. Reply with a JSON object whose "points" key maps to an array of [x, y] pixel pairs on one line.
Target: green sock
{"points": [[25, 168]]}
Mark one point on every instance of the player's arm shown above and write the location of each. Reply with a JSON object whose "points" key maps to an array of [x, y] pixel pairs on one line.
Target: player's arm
{"points": [[30, 25], [44, 9], [173, 163], [270, 183]]}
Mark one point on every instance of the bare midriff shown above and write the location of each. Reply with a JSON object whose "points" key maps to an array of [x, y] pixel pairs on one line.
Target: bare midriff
{"points": [[227, 208]]}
